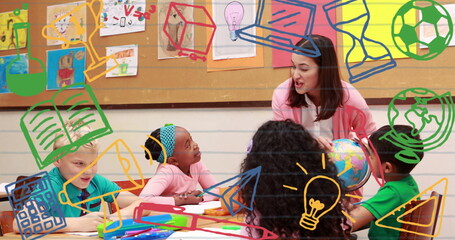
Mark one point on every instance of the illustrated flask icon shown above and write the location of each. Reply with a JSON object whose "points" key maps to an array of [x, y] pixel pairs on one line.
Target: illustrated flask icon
{"points": [[25, 84]]}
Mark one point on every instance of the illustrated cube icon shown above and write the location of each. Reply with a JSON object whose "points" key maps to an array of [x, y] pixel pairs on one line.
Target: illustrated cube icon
{"points": [[175, 20]]}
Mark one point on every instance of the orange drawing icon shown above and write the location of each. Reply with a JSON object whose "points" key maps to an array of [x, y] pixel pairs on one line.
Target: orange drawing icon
{"points": [[129, 165], [421, 218], [96, 60]]}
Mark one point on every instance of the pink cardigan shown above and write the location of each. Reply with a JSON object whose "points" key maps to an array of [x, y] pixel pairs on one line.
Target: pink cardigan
{"points": [[343, 122], [169, 180]]}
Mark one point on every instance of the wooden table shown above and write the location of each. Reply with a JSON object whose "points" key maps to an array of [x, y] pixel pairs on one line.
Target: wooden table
{"points": [[3, 196], [61, 236]]}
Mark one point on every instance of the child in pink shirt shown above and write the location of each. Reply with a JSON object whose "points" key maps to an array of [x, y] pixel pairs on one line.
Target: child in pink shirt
{"points": [[180, 168]]}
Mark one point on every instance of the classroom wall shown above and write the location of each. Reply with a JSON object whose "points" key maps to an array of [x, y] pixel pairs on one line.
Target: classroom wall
{"points": [[222, 135]]}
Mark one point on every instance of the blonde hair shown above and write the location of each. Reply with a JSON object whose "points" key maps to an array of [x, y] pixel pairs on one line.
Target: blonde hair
{"points": [[76, 129]]}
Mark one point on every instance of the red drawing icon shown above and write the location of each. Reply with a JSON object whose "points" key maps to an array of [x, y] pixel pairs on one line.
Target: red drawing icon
{"points": [[171, 29], [194, 220]]}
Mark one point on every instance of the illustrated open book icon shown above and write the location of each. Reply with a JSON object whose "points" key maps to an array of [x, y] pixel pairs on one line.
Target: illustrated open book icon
{"points": [[129, 166], [228, 197], [40, 127]]}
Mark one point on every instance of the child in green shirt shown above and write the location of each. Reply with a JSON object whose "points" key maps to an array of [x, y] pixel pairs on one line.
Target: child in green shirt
{"points": [[399, 188]]}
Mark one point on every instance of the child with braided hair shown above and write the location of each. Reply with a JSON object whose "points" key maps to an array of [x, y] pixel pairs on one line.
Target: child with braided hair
{"points": [[179, 172]]}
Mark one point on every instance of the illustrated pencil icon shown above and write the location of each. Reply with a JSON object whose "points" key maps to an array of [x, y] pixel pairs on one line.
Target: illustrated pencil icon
{"points": [[138, 211]]}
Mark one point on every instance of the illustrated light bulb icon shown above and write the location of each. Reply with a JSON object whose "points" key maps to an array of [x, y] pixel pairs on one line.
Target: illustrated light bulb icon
{"points": [[317, 206], [233, 14]]}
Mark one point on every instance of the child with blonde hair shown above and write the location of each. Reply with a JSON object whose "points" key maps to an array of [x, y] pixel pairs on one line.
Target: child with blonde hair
{"points": [[87, 185]]}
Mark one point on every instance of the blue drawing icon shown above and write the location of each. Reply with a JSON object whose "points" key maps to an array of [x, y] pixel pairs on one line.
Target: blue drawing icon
{"points": [[358, 71], [281, 37], [228, 198], [37, 206]]}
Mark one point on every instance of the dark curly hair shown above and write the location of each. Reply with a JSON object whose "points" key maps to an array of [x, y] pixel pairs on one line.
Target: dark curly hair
{"points": [[277, 147], [153, 146]]}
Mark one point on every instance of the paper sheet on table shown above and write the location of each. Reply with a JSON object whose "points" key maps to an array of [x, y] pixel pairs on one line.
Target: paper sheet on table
{"points": [[2, 187], [86, 234], [199, 209], [202, 235]]}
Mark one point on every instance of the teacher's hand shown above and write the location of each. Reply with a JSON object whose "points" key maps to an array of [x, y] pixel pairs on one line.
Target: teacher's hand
{"points": [[325, 143]]}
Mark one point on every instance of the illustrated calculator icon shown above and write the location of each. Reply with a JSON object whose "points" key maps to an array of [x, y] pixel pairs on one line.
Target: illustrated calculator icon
{"points": [[35, 195], [283, 32]]}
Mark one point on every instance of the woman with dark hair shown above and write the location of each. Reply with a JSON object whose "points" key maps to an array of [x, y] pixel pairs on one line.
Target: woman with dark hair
{"points": [[290, 159], [316, 97]]}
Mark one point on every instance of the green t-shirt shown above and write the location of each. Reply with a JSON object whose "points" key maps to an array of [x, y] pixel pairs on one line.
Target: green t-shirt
{"points": [[98, 186], [389, 197]]}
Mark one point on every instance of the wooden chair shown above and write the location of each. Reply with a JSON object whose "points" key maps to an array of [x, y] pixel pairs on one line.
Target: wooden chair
{"points": [[423, 216], [125, 185], [21, 194], [6, 222]]}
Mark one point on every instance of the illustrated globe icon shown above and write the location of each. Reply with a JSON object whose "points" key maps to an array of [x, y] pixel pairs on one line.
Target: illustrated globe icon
{"points": [[421, 118], [351, 163]]}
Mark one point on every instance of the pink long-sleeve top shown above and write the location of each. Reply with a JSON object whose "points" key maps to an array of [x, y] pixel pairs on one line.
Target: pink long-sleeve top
{"points": [[169, 180], [353, 116]]}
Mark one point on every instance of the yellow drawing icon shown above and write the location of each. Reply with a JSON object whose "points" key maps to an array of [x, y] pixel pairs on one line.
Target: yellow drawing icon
{"points": [[129, 166], [432, 200], [96, 60], [150, 154], [314, 208]]}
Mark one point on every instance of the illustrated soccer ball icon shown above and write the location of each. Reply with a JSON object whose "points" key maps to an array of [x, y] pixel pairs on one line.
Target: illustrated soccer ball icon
{"points": [[434, 17]]}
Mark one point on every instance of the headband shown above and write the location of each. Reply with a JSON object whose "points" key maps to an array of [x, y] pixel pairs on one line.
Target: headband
{"points": [[167, 138]]}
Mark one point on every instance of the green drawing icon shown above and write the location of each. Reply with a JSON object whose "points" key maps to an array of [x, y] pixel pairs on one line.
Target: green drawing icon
{"points": [[44, 123], [422, 119], [435, 20], [25, 84]]}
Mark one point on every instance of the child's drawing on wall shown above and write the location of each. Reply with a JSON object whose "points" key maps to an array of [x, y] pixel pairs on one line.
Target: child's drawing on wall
{"points": [[65, 67], [172, 20], [66, 21]]}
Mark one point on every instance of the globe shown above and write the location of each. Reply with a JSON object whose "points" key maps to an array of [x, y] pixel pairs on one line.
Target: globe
{"points": [[351, 163]]}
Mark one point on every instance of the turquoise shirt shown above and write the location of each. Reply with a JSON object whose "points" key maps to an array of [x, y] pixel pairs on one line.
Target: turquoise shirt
{"points": [[98, 186], [389, 197]]}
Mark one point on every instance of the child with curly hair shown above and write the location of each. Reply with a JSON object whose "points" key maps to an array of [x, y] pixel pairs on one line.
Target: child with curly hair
{"points": [[176, 180], [290, 158]]}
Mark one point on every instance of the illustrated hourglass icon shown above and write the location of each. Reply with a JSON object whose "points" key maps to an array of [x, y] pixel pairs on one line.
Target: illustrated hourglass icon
{"points": [[361, 45], [25, 84], [96, 61]]}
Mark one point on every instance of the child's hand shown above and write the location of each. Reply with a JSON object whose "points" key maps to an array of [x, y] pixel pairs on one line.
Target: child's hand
{"points": [[90, 221], [187, 198], [347, 205], [195, 192], [324, 143]]}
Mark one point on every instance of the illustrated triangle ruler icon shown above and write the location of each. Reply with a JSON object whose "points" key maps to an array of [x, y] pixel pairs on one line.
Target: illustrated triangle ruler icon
{"points": [[441, 184]]}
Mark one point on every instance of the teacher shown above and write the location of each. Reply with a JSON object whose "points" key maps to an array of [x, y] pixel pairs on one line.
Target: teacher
{"points": [[316, 97]]}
